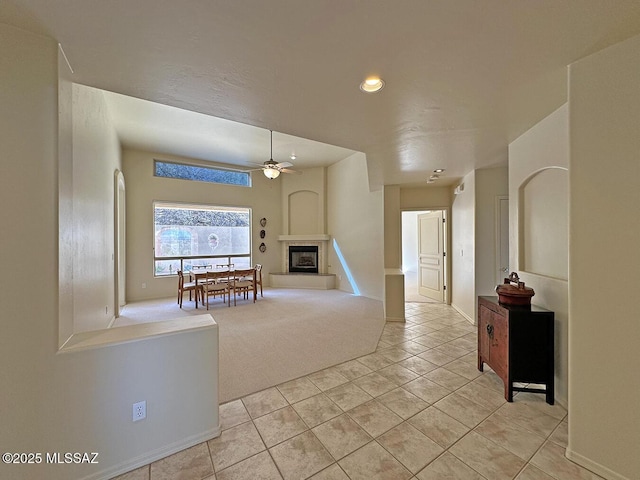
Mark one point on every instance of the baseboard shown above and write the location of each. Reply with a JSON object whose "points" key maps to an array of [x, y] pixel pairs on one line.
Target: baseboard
{"points": [[149, 457], [395, 319], [467, 317], [595, 467]]}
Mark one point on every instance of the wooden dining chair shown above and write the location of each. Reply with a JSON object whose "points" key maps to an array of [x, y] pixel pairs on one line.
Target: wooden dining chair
{"points": [[216, 283], [242, 282], [258, 269], [186, 287]]}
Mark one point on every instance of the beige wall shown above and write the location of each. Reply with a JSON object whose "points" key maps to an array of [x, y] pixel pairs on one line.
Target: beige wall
{"points": [[392, 227], [424, 198], [96, 156], [544, 146], [544, 206], [490, 184], [304, 202], [355, 221], [604, 263], [82, 401], [143, 188], [463, 295], [28, 134]]}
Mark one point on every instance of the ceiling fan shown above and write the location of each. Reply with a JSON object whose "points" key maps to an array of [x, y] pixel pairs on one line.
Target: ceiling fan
{"points": [[272, 169]]}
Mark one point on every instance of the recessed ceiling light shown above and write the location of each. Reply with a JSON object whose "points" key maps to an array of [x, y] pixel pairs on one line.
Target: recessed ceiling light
{"points": [[438, 170], [372, 85], [292, 156]]}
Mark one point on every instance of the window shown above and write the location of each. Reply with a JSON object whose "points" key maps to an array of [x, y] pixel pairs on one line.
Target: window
{"points": [[188, 235], [201, 173]]}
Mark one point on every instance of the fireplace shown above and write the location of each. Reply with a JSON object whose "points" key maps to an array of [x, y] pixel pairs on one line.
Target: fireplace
{"points": [[303, 259]]}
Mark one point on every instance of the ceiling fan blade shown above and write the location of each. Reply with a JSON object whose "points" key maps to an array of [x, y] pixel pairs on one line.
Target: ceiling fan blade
{"points": [[286, 170], [284, 165], [252, 166]]}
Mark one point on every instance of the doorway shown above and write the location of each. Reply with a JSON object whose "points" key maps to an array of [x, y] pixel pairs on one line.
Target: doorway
{"points": [[424, 240]]}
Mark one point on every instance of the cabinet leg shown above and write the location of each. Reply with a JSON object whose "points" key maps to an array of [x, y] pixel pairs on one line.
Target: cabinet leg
{"points": [[508, 391], [550, 393]]}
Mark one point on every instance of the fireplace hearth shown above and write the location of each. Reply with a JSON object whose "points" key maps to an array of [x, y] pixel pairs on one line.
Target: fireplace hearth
{"points": [[303, 259]]}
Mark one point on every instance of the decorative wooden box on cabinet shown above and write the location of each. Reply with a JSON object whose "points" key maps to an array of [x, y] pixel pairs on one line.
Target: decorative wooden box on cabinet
{"points": [[517, 343]]}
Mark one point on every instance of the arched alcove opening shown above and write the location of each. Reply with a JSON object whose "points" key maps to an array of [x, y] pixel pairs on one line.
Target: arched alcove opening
{"points": [[304, 210], [543, 223]]}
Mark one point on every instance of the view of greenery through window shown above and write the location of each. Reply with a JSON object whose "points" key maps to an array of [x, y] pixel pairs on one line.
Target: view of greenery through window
{"points": [[197, 231], [201, 174]]}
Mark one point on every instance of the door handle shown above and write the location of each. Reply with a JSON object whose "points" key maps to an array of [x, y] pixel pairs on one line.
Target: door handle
{"points": [[490, 331]]}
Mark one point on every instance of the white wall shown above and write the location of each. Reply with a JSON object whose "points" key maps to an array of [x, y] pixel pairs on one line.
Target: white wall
{"points": [[82, 401], [463, 210], [604, 263], [410, 241], [143, 188], [355, 221], [544, 146]]}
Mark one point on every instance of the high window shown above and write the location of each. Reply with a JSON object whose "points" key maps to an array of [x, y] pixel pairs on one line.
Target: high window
{"points": [[201, 173], [186, 235]]}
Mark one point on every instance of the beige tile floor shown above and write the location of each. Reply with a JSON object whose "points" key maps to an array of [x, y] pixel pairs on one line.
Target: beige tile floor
{"points": [[417, 408]]}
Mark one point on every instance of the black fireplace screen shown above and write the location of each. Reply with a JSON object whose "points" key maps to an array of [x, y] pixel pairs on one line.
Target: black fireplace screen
{"points": [[303, 259]]}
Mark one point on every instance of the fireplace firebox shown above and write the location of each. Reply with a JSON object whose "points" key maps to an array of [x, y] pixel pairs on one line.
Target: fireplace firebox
{"points": [[303, 259]]}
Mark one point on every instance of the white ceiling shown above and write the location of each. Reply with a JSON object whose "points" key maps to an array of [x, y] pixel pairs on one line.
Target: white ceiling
{"points": [[151, 126], [463, 77]]}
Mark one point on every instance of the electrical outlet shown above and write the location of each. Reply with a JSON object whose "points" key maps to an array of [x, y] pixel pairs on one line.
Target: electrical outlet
{"points": [[139, 411], [144, 285]]}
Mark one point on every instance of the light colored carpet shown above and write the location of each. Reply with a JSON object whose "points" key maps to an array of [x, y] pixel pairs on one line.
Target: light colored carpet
{"points": [[285, 335]]}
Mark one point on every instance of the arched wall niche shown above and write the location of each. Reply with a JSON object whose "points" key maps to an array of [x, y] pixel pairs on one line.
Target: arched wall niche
{"points": [[304, 208], [543, 223]]}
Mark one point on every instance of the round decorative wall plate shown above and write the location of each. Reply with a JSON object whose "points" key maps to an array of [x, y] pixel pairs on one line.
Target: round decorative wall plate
{"points": [[262, 233], [263, 247], [263, 221]]}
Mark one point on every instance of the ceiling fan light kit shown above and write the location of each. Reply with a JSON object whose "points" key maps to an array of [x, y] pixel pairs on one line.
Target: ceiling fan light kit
{"points": [[272, 169]]}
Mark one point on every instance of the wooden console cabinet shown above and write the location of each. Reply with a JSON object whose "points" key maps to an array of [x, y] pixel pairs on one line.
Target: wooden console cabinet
{"points": [[517, 343]]}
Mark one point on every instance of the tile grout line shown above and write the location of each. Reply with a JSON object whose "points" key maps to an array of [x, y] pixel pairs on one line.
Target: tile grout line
{"points": [[401, 385]]}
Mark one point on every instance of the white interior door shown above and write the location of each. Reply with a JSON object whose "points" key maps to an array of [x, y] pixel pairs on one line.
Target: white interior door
{"points": [[431, 255]]}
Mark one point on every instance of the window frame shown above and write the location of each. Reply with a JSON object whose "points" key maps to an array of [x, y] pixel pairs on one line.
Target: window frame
{"points": [[227, 257], [205, 167]]}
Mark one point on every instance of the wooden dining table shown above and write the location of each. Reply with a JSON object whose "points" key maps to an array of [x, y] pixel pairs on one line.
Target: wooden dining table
{"points": [[212, 272]]}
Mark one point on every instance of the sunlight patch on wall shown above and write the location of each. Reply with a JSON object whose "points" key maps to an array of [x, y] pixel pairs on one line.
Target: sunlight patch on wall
{"points": [[345, 267]]}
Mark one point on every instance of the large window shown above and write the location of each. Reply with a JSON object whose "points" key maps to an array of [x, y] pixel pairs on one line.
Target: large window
{"points": [[201, 173], [188, 235]]}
